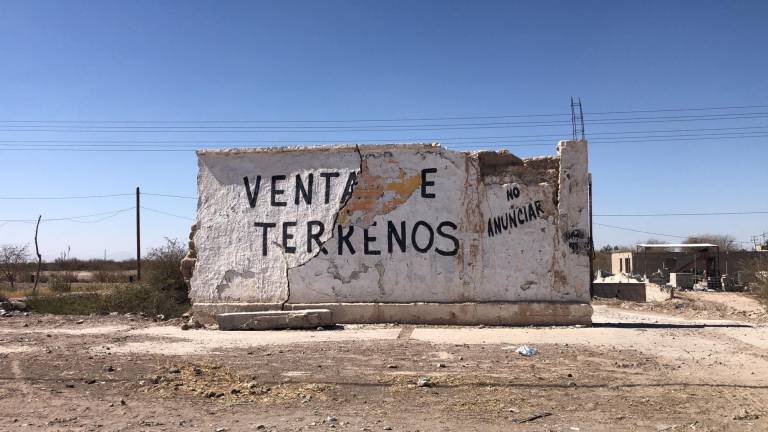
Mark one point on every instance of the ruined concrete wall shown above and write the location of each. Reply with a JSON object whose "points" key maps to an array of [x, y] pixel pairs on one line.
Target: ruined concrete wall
{"points": [[391, 224]]}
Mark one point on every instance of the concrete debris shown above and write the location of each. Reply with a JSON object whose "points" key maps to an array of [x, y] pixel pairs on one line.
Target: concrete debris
{"points": [[746, 415], [192, 324], [13, 305], [424, 381], [532, 418], [527, 350], [270, 320]]}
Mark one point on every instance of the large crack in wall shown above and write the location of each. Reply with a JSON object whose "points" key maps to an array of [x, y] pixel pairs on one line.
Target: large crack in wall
{"points": [[322, 245]]}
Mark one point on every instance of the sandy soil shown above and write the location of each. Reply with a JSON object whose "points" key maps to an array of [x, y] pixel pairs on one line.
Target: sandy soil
{"points": [[701, 305], [635, 370]]}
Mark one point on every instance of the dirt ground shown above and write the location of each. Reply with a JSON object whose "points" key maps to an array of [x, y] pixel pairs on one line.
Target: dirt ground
{"points": [[666, 368]]}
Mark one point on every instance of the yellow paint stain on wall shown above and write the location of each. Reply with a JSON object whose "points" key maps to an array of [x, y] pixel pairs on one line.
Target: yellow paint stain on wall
{"points": [[366, 201]]}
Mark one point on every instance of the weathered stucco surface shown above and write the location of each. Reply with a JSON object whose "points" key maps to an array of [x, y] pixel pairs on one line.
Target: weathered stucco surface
{"points": [[391, 224]]}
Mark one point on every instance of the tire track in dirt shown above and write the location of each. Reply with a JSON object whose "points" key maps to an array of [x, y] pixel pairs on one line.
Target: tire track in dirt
{"points": [[19, 380]]}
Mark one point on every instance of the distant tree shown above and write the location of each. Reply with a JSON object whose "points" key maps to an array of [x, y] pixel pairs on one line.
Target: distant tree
{"points": [[607, 248], [654, 241], [726, 242], [12, 260], [162, 270]]}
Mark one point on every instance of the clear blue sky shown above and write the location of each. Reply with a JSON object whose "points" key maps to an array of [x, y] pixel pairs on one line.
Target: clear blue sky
{"points": [[192, 60]]}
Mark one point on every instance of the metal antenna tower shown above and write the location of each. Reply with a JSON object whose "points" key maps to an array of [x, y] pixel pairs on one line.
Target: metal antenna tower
{"points": [[577, 119]]}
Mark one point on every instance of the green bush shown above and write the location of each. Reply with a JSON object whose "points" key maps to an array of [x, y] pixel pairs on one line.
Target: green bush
{"points": [[162, 270]]}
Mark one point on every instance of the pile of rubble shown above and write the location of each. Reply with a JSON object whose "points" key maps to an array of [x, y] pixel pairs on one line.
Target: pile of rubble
{"points": [[10, 308]]}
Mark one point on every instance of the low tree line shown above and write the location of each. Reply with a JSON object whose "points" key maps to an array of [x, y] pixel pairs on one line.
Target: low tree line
{"points": [[162, 289]]}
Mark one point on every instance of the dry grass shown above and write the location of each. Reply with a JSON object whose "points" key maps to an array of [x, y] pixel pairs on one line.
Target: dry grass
{"points": [[226, 386], [25, 289]]}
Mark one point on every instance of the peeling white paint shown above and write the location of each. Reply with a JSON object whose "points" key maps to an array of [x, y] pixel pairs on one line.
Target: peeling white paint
{"points": [[463, 199]]}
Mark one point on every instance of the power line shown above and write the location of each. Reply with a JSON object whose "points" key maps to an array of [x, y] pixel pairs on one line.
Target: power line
{"points": [[168, 196], [93, 196], [525, 143], [72, 218], [638, 231], [167, 214], [417, 127], [467, 146], [649, 232], [747, 212], [401, 119], [65, 197], [387, 140]]}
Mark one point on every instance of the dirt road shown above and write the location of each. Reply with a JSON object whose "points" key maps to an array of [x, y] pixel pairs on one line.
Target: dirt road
{"points": [[636, 371]]}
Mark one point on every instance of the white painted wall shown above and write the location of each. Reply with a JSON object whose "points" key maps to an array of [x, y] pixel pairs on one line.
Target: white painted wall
{"points": [[543, 258]]}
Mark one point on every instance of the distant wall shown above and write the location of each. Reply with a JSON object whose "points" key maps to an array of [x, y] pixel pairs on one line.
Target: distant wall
{"points": [[621, 291], [730, 262]]}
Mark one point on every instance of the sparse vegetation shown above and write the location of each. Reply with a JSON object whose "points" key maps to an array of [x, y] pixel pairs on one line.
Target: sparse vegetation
{"points": [[60, 284], [758, 266], [726, 242], [162, 289], [12, 261]]}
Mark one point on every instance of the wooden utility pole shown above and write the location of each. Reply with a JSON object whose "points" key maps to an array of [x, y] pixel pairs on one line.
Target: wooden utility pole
{"points": [[39, 257], [138, 235]]}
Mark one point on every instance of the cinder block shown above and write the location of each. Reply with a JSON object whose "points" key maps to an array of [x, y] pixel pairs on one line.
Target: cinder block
{"points": [[273, 320]]}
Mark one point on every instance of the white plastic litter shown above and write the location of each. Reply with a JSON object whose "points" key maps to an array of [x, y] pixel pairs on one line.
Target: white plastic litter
{"points": [[527, 350]]}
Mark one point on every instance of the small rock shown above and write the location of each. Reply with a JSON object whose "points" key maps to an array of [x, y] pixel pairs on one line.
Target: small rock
{"points": [[185, 326], [79, 321], [746, 415], [392, 366], [90, 381], [122, 402], [441, 365], [69, 385], [174, 370], [331, 419], [108, 369], [320, 328], [387, 428], [424, 381]]}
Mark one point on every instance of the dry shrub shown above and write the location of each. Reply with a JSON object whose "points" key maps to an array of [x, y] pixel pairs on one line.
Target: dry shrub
{"points": [[162, 290]]}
